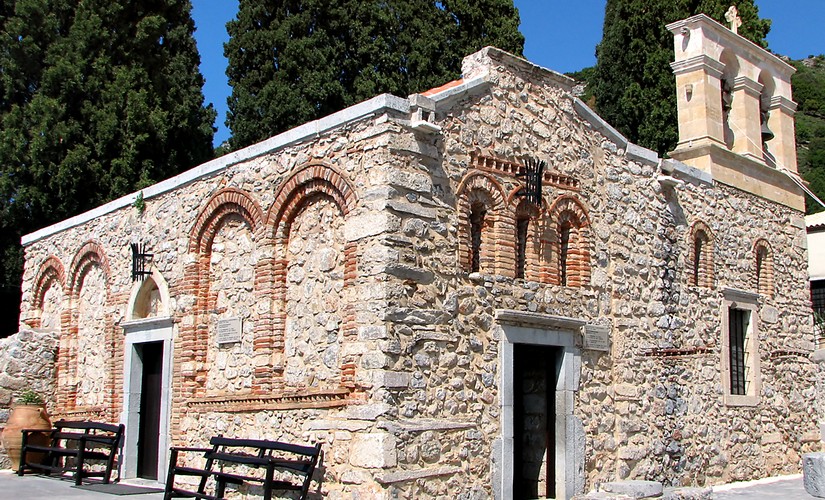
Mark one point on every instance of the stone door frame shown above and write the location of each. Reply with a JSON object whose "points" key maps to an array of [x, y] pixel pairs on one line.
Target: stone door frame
{"points": [[140, 331], [520, 327]]}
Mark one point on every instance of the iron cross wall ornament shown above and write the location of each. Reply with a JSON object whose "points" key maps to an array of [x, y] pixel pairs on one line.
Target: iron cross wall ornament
{"points": [[533, 174], [139, 258]]}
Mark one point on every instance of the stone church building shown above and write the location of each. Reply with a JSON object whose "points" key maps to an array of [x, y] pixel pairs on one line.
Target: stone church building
{"points": [[388, 281]]}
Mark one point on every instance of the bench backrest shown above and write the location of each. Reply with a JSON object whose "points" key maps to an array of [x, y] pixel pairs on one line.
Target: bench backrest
{"points": [[96, 432], [293, 458]]}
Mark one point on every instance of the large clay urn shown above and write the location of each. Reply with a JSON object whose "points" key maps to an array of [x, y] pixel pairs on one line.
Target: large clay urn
{"points": [[25, 416]]}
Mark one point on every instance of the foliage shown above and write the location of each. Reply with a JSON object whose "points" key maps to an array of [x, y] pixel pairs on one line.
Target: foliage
{"points": [[809, 93], [97, 98], [633, 83], [294, 61], [29, 397]]}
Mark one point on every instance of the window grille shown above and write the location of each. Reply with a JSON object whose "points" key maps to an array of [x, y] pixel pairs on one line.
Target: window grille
{"points": [[737, 328]]}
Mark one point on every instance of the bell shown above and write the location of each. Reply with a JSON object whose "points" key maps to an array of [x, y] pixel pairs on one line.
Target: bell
{"points": [[767, 135]]}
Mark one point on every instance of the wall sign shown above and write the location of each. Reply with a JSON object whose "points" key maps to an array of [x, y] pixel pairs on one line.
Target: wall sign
{"points": [[597, 338], [229, 330]]}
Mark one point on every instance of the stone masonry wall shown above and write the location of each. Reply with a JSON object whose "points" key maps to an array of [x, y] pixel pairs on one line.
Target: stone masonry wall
{"points": [[27, 361], [365, 330]]}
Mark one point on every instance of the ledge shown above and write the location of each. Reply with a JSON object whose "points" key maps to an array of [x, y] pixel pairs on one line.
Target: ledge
{"points": [[410, 475], [520, 318], [307, 131], [251, 402]]}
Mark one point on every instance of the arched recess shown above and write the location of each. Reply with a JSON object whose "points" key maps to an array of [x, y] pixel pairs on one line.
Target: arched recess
{"points": [[87, 356], [481, 226], [48, 294], [526, 237], [309, 212], [700, 255], [766, 123], [569, 241], [731, 72], [763, 267], [228, 208], [148, 298]]}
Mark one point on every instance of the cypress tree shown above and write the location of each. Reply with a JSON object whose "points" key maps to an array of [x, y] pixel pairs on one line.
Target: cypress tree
{"points": [[633, 84], [297, 60], [99, 98]]}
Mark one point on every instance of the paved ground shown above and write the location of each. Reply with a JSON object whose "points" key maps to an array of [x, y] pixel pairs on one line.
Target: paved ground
{"points": [[785, 488], [32, 487], [41, 488]]}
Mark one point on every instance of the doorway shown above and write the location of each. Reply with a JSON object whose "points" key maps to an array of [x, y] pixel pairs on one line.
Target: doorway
{"points": [[151, 357], [541, 446], [535, 377]]}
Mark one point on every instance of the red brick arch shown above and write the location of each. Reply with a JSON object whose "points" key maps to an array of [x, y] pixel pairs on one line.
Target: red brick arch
{"points": [[306, 183], [477, 187], [225, 203], [51, 271], [701, 266], [91, 254], [309, 180], [568, 214]]}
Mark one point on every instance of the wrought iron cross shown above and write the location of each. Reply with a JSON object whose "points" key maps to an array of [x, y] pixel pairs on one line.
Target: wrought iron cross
{"points": [[139, 258], [533, 174]]}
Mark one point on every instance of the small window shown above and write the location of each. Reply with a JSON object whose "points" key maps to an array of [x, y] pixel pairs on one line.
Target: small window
{"points": [[701, 256], [477, 213], [763, 268], [738, 320], [564, 253], [818, 296], [522, 226], [698, 248], [740, 348]]}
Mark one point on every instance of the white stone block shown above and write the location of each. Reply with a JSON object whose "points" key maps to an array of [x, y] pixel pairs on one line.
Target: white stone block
{"points": [[373, 451], [634, 489]]}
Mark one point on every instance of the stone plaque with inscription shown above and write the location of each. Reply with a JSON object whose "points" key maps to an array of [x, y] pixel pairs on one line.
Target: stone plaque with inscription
{"points": [[597, 338], [229, 330]]}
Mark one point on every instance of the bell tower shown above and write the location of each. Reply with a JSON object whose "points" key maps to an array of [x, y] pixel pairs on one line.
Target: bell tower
{"points": [[736, 114]]}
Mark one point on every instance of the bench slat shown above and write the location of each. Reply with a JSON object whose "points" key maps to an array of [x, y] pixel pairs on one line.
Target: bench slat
{"points": [[98, 441], [262, 454]]}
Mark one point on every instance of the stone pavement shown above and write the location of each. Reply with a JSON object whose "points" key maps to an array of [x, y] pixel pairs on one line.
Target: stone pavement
{"points": [[33, 487], [784, 488]]}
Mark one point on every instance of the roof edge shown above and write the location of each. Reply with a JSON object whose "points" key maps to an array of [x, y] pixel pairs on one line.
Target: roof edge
{"points": [[378, 104]]}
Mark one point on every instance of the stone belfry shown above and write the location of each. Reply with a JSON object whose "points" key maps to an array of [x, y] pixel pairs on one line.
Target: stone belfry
{"points": [[736, 114]]}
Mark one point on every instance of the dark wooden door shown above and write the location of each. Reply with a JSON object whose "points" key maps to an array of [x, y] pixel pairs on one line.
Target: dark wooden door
{"points": [[151, 356], [535, 374]]}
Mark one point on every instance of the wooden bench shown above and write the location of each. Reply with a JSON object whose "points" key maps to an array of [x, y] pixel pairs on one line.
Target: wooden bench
{"points": [[233, 461], [71, 445]]}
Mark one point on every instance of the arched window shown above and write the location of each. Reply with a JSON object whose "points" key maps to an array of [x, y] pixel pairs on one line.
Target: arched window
{"points": [[701, 256], [571, 262], [479, 209], [477, 213], [728, 77], [564, 252], [763, 268], [768, 89], [526, 213]]}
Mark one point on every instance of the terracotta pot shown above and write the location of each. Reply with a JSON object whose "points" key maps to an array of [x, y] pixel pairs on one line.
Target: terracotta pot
{"points": [[25, 417]]}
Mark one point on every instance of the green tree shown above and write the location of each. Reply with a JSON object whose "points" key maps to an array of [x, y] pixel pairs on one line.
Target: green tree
{"points": [[632, 83], [99, 98], [297, 60], [809, 93]]}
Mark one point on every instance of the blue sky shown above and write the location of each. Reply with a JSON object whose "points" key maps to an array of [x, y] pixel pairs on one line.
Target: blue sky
{"points": [[560, 35]]}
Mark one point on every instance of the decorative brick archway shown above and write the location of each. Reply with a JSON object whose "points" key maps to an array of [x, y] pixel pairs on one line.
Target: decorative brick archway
{"points": [[306, 184]]}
